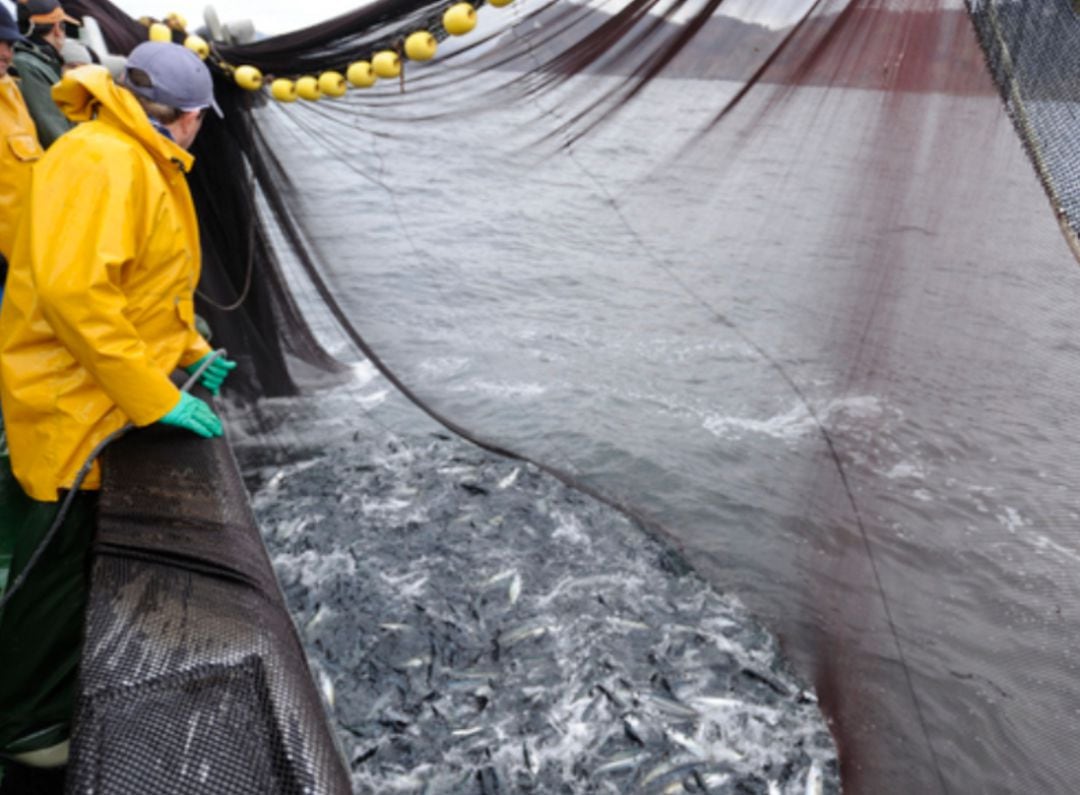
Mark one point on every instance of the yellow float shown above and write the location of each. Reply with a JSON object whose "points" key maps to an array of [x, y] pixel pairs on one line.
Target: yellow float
{"points": [[386, 63], [420, 46], [159, 31], [283, 90], [176, 21], [198, 45], [248, 78], [459, 19], [308, 88], [332, 84], [360, 74]]}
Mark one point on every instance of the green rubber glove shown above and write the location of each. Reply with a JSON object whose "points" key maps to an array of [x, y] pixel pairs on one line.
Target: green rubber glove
{"points": [[193, 415], [215, 374]]}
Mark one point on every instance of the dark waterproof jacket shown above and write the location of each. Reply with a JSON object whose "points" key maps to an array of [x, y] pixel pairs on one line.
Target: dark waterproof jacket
{"points": [[39, 67]]}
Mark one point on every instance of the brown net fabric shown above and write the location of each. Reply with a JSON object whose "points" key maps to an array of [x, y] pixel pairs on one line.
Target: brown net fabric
{"points": [[889, 447], [854, 211], [192, 679]]}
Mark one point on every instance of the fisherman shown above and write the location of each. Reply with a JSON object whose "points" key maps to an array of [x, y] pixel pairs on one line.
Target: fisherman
{"points": [[98, 313], [22, 147], [39, 65], [16, 158]]}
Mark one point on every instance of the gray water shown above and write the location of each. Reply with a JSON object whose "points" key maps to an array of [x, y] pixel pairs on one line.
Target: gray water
{"points": [[641, 324]]}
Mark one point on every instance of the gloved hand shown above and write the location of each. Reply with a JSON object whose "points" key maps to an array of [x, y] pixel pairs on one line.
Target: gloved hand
{"points": [[215, 374], [193, 415]]}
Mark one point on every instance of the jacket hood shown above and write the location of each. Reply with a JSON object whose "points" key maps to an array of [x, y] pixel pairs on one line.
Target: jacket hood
{"points": [[89, 92]]}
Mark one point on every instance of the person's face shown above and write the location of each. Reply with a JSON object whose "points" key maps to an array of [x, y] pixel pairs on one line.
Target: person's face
{"points": [[6, 53], [185, 128], [57, 36]]}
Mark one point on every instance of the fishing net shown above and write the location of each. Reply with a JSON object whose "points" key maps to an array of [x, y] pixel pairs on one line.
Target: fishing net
{"points": [[778, 279], [192, 675]]}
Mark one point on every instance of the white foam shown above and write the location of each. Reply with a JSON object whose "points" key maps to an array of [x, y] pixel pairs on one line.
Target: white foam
{"points": [[443, 366], [905, 469], [385, 507], [1044, 543], [364, 372], [503, 390], [1011, 519], [569, 528], [796, 421]]}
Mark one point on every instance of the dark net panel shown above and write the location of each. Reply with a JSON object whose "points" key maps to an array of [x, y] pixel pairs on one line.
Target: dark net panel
{"points": [[858, 226], [859, 210], [1033, 51], [192, 678]]}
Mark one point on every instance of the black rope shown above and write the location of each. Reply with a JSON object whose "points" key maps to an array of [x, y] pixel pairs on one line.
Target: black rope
{"points": [[250, 271]]}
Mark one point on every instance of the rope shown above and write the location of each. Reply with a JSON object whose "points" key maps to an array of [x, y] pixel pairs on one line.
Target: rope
{"points": [[69, 497], [250, 260]]}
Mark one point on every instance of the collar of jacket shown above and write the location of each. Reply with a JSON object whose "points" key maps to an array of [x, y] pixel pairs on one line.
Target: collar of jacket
{"points": [[43, 51], [89, 92]]}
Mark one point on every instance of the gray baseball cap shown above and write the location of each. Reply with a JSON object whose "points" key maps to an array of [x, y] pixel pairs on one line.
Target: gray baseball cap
{"points": [[178, 78]]}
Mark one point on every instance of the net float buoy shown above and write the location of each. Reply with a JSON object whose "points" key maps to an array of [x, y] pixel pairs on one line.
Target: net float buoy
{"points": [[459, 19], [332, 84], [499, 3], [159, 31], [198, 45], [420, 46], [386, 63], [283, 90], [307, 87], [176, 21], [360, 74], [248, 78]]}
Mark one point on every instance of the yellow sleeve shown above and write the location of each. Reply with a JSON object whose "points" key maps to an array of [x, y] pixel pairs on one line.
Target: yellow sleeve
{"points": [[197, 348], [83, 234]]}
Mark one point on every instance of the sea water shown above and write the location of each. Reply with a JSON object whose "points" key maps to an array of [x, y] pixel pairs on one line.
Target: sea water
{"points": [[813, 350]]}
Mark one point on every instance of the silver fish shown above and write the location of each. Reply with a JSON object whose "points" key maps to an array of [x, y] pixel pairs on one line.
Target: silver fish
{"points": [[326, 685], [815, 779], [672, 707], [677, 767], [468, 732], [496, 579], [523, 632], [620, 762], [510, 479]]}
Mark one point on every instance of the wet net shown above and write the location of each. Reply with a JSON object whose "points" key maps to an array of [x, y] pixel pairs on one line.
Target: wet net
{"points": [[1033, 60], [193, 678], [781, 280]]}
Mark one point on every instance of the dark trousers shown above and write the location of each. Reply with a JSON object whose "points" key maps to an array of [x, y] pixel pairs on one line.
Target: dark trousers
{"points": [[41, 627]]}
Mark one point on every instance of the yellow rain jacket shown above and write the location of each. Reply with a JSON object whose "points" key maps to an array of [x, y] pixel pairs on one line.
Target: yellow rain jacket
{"points": [[99, 303], [17, 154]]}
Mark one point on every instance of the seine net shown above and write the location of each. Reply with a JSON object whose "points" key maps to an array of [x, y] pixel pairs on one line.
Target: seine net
{"points": [[778, 278]]}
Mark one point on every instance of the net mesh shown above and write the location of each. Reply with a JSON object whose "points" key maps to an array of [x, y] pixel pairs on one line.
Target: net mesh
{"points": [[193, 678], [1032, 56], [832, 200]]}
